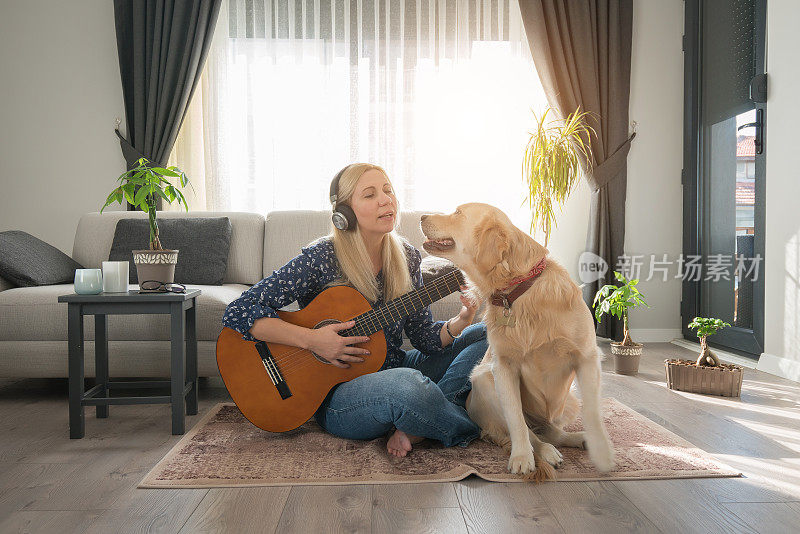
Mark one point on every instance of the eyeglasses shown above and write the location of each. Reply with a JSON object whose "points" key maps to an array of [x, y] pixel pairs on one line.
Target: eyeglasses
{"points": [[156, 286]]}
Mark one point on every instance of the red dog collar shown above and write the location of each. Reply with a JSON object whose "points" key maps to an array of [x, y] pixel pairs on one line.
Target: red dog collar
{"points": [[522, 284]]}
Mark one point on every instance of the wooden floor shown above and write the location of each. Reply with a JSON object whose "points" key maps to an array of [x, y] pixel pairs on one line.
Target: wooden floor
{"points": [[49, 483]]}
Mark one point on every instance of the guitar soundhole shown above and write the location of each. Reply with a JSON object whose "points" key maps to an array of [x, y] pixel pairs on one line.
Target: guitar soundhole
{"points": [[320, 324]]}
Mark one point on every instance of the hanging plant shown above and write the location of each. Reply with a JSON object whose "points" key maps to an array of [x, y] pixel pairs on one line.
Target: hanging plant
{"points": [[552, 164]]}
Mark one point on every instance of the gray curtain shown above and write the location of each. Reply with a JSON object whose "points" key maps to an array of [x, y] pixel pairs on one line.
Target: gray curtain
{"points": [[162, 47], [582, 52]]}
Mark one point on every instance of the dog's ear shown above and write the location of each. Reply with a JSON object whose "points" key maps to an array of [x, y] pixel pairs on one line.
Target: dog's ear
{"points": [[491, 245], [523, 249]]}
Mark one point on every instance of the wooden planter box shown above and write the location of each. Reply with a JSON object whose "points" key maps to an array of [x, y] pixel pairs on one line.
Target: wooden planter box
{"points": [[684, 375]]}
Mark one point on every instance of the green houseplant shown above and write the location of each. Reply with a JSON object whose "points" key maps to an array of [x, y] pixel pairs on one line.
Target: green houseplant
{"points": [[707, 374], [617, 301], [552, 164], [142, 186], [707, 326]]}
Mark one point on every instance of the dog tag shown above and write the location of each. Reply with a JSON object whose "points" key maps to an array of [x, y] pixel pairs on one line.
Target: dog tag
{"points": [[508, 318]]}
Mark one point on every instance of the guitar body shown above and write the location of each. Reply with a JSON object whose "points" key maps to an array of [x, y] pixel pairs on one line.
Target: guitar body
{"points": [[251, 382]]}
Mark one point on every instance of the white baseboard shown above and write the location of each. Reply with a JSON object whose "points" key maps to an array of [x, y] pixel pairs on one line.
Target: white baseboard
{"points": [[779, 366], [654, 335], [725, 356]]}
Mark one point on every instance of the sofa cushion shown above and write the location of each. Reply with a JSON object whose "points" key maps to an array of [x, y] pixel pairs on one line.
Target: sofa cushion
{"points": [[34, 313], [433, 267], [5, 284], [96, 232], [286, 232], [27, 261], [203, 243]]}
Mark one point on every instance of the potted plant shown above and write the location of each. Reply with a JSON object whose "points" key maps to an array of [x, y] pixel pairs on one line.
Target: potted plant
{"points": [[141, 187], [707, 374], [617, 300], [552, 165]]}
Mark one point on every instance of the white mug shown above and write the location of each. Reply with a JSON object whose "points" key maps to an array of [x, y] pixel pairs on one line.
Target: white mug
{"points": [[115, 276]]}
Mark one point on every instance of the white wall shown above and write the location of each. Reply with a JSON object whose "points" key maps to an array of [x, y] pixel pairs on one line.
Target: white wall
{"points": [[59, 94], [654, 207], [782, 239]]}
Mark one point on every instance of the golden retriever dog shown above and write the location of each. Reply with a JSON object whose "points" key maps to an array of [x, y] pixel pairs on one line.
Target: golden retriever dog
{"points": [[538, 344]]}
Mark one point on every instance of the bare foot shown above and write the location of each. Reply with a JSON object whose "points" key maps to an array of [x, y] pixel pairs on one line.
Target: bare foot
{"points": [[400, 443]]}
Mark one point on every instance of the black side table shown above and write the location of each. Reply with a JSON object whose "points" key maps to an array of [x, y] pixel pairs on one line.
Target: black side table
{"points": [[183, 378]]}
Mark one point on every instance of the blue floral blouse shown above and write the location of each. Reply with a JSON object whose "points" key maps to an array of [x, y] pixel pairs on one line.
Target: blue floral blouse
{"points": [[305, 276]]}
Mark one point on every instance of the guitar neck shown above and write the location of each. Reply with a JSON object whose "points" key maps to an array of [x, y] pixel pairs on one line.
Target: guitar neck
{"points": [[410, 303]]}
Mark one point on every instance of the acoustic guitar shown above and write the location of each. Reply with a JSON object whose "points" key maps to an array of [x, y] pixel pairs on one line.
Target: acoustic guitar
{"points": [[279, 387]]}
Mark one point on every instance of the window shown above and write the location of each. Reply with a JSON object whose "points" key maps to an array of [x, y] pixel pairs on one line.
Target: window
{"points": [[439, 93]]}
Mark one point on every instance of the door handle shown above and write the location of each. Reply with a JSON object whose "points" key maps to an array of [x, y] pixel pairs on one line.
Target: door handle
{"points": [[759, 126]]}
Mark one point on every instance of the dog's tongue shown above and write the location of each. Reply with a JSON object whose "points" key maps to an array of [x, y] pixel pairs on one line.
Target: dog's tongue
{"points": [[440, 243]]}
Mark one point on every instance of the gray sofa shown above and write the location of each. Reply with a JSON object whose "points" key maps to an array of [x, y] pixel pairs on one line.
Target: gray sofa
{"points": [[33, 325]]}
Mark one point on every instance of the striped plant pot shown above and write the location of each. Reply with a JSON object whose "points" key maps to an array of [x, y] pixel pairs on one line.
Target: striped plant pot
{"points": [[158, 265], [684, 375], [626, 358]]}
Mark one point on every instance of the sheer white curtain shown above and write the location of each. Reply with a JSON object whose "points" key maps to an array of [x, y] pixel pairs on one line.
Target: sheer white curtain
{"points": [[439, 93]]}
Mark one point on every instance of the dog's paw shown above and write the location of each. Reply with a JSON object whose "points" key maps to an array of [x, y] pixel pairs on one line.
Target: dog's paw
{"points": [[550, 455], [522, 463], [602, 456]]}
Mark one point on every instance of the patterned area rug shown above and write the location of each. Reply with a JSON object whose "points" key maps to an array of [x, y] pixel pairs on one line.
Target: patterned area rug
{"points": [[225, 450]]}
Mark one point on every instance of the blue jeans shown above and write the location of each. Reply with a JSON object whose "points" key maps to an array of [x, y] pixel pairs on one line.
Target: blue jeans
{"points": [[425, 397]]}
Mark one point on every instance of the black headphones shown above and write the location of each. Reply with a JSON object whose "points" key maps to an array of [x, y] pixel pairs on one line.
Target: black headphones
{"points": [[343, 216]]}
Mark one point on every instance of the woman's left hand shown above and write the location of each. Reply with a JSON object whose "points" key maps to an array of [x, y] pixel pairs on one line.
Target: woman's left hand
{"points": [[457, 324], [468, 309]]}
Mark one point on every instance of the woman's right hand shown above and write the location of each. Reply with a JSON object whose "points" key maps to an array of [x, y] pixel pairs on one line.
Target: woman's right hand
{"points": [[337, 350]]}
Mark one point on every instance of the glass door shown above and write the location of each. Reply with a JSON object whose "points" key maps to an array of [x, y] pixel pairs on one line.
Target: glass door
{"points": [[724, 185]]}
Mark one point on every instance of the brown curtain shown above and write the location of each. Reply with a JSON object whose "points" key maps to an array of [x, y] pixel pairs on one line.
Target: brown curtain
{"points": [[582, 52]]}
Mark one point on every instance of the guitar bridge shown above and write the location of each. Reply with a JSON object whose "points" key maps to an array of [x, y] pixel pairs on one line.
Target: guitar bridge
{"points": [[272, 370]]}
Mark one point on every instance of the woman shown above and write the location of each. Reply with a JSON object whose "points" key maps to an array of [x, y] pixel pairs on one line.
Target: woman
{"points": [[419, 393]]}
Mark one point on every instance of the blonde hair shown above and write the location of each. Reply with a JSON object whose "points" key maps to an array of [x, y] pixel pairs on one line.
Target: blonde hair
{"points": [[355, 264]]}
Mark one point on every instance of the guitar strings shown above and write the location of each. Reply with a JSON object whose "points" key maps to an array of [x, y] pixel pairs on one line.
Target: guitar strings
{"points": [[295, 363]]}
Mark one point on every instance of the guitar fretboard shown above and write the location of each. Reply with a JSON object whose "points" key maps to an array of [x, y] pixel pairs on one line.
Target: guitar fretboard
{"points": [[395, 310]]}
